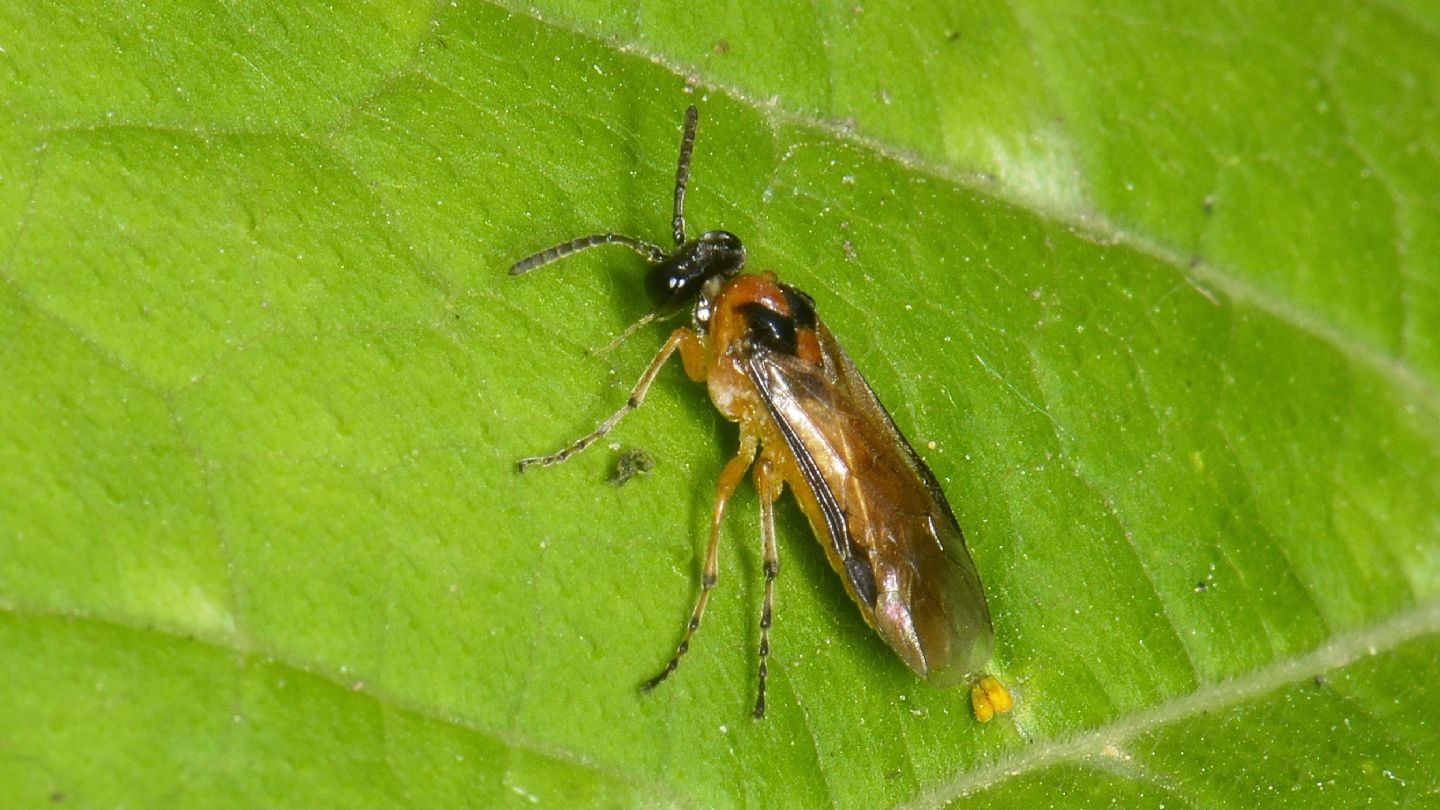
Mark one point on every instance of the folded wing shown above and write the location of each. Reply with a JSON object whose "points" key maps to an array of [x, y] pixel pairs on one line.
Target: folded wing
{"points": [[888, 530]]}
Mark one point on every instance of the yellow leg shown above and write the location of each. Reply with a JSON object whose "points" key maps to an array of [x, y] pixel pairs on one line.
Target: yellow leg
{"points": [[730, 478], [692, 354]]}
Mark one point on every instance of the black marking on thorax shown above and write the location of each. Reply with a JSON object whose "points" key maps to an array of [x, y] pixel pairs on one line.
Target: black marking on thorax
{"points": [[769, 328]]}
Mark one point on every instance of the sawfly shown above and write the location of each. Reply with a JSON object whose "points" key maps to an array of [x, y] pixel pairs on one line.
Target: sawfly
{"points": [[810, 422]]}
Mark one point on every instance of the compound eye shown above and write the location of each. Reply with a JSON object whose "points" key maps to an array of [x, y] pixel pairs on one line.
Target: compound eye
{"points": [[770, 329]]}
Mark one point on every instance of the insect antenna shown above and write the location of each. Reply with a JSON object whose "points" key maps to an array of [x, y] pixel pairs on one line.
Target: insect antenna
{"points": [[654, 253], [682, 173]]}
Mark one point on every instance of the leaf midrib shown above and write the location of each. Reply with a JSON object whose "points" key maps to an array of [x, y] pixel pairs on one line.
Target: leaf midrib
{"points": [[1093, 227], [249, 647], [1340, 651]]}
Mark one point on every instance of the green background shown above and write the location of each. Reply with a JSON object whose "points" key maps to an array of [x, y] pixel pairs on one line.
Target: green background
{"points": [[1159, 282]]}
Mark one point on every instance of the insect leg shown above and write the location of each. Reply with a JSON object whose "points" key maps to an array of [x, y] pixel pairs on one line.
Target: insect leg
{"points": [[730, 478], [769, 488], [554, 254], [682, 173], [691, 352], [624, 336]]}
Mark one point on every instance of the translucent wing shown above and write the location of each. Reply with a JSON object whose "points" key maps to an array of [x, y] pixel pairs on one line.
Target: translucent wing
{"points": [[888, 530]]}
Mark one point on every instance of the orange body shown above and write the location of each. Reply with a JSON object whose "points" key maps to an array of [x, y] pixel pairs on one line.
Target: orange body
{"points": [[809, 421], [875, 507]]}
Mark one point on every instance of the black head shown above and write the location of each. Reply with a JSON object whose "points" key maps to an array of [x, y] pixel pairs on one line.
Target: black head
{"points": [[676, 280], [677, 277]]}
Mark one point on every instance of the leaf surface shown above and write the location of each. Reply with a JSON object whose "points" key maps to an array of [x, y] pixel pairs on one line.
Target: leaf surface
{"points": [[1153, 289]]}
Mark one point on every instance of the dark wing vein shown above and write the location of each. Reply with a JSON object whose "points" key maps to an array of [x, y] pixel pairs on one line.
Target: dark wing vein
{"points": [[759, 365]]}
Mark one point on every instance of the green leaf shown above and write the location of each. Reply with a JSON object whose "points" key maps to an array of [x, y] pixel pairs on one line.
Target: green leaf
{"points": [[1154, 290]]}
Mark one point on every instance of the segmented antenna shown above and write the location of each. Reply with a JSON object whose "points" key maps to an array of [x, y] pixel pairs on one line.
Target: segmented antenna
{"points": [[654, 253], [682, 173]]}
